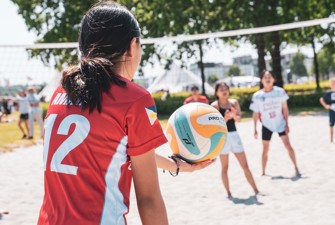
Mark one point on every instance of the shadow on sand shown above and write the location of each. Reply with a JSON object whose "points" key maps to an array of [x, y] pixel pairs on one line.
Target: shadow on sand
{"points": [[294, 178], [3, 213], [252, 200]]}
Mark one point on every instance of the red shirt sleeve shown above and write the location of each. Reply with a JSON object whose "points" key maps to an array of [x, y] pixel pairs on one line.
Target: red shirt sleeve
{"points": [[203, 99], [188, 100], [143, 128]]}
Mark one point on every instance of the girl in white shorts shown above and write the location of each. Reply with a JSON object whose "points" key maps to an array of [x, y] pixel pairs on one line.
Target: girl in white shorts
{"points": [[233, 144], [230, 110]]}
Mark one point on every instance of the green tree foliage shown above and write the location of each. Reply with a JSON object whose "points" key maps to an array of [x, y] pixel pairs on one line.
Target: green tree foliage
{"points": [[326, 61], [297, 65], [259, 13], [307, 10], [54, 21], [159, 18], [58, 21], [212, 79], [234, 70]]}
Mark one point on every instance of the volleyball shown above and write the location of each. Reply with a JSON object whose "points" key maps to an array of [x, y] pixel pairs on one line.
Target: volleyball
{"points": [[196, 132]]}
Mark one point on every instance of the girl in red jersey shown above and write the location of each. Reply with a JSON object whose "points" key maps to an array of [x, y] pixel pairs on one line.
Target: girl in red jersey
{"points": [[101, 129], [230, 110]]}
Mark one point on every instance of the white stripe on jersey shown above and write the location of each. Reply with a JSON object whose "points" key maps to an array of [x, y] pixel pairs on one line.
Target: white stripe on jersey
{"points": [[114, 206]]}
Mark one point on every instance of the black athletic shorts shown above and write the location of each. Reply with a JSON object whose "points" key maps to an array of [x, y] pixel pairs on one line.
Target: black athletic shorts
{"points": [[24, 116], [331, 118], [267, 134]]}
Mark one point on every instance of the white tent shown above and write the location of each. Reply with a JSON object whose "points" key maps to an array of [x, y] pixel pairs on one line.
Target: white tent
{"points": [[178, 80], [49, 89]]}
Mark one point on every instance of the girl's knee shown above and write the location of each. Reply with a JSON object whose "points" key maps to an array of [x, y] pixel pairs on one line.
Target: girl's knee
{"points": [[288, 146], [265, 151], [224, 170], [245, 168]]}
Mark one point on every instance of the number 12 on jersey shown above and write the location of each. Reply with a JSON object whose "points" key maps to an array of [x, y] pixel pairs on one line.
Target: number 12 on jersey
{"points": [[76, 138]]}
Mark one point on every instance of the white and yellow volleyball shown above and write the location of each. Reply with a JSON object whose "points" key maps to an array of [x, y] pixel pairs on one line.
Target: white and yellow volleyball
{"points": [[196, 132]]}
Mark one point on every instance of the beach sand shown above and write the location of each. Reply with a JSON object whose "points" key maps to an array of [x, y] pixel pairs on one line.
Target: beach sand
{"points": [[199, 198]]}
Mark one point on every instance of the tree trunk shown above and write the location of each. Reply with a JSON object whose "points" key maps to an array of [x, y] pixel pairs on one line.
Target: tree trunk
{"points": [[260, 45], [202, 70], [276, 58], [316, 66]]}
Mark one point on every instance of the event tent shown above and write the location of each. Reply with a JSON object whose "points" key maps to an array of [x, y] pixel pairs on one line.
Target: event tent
{"points": [[178, 80]]}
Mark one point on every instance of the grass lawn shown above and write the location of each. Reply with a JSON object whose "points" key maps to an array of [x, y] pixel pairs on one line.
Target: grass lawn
{"points": [[11, 135]]}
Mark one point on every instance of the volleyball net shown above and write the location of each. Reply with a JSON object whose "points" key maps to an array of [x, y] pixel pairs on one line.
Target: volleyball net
{"points": [[17, 68]]}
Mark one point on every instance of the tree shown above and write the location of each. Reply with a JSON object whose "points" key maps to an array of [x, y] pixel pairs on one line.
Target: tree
{"points": [[307, 10], [326, 62], [54, 21], [58, 21], [297, 65], [234, 70], [212, 78], [258, 13], [160, 18]]}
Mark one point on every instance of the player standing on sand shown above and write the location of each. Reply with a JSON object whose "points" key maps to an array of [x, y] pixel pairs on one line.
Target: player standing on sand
{"points": [[231, 111], [328, 102], [101, 129], [270, 104]]}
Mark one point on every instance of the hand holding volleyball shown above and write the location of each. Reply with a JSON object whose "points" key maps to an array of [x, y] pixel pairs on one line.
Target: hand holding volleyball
{"points": [[196, 132]]}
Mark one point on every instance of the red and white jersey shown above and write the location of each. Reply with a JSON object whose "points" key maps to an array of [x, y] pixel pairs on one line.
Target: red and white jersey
{"points": [[270, 106], [86, 155]]}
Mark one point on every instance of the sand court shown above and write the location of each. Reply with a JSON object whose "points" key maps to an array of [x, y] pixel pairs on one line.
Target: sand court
{"points": [[199, 198]]}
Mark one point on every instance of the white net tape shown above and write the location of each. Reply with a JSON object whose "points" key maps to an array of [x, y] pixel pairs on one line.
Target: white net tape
{"points": [[194, 37]]}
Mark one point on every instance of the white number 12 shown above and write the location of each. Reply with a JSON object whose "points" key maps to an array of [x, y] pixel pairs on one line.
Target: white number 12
{"points": [[77, 137]]}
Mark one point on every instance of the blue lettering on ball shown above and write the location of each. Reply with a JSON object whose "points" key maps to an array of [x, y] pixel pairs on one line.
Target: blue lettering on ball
{"points": [[185, 134]]}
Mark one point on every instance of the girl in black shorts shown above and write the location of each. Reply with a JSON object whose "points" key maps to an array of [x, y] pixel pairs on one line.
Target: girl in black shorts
{"points": [[270, 106]]}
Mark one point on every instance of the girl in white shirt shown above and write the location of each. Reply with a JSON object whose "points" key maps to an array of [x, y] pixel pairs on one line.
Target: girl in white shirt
{"points": [[35, 112], [24, 109], [270, 106]]}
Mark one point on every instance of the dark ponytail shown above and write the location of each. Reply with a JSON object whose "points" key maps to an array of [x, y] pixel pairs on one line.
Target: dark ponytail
{"points": [[84, 84], [105, 35]]}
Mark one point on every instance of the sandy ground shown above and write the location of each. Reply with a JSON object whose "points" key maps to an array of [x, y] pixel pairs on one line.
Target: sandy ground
{"points": [[199, 198]]}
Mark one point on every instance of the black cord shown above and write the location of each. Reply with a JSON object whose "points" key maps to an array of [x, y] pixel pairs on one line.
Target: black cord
{"points": [[174, 158]]}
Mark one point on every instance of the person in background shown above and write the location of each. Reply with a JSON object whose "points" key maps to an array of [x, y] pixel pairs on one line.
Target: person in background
{"points": [[5, 109], [196, 97], [101, 130], [165, 95], [328, 102], [21, 104], [231, 111], [35, 112], [270, 106]]}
